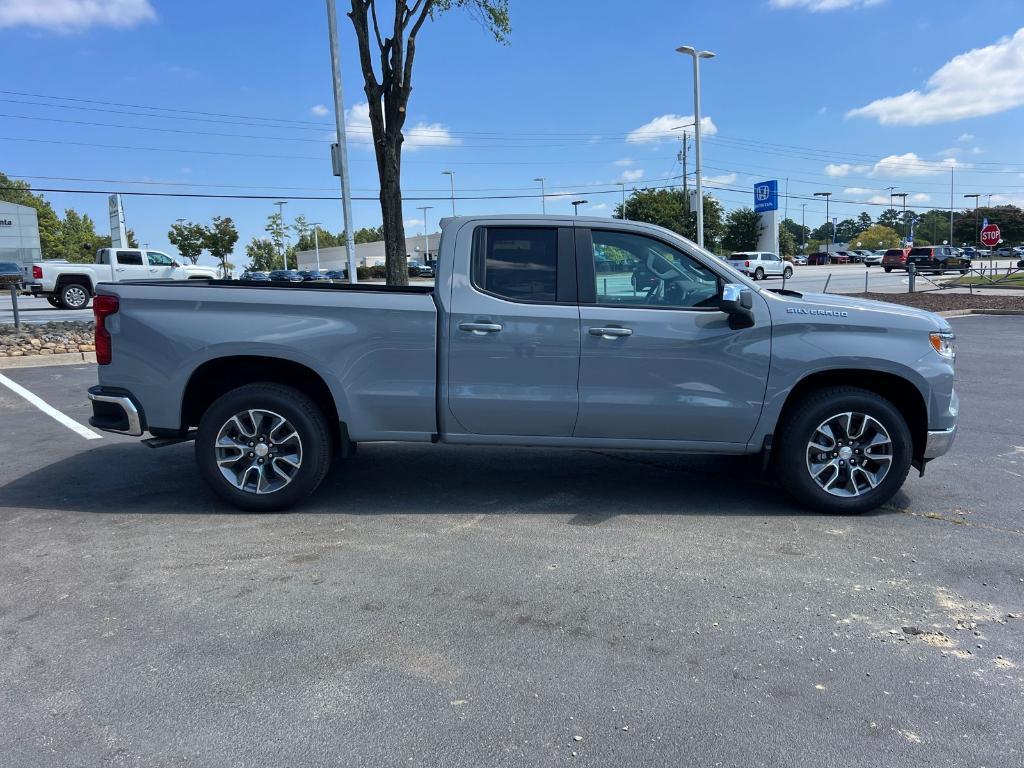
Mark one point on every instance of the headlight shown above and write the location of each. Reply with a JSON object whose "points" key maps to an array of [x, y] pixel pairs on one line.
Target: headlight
{"points": [[942, 342]]}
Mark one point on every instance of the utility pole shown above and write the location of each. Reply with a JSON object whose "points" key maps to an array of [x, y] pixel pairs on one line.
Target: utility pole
{"points": [[951, 205], [576, 206], [316, 243], [831, 236], [903, 220], [803, 227], [426, 245], [682, 159], [697, 56], [543, 206], [339, 121], [977, 234], [623, 185], [451, 178], [280, 215]]}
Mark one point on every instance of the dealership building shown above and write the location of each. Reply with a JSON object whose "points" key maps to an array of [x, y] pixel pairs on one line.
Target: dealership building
{"points": [[369, 254], [19, 233]]}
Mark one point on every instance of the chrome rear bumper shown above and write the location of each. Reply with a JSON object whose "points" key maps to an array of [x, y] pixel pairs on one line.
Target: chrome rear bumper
{"points": [[115, 413]]}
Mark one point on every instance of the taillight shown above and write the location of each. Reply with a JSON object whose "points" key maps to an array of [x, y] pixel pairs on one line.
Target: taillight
{"points": [[102, 308], [747, 264], [37, 272]]}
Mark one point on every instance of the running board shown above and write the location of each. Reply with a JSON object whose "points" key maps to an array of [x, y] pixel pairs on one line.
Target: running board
{"points": [[163, 442]]}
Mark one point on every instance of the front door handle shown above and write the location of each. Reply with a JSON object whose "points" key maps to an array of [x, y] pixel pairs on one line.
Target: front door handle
{"points": [[611, 333], [480, 328]]}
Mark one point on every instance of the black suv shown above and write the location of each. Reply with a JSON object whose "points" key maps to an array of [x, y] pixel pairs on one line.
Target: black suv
{"points": [[938, 259]]}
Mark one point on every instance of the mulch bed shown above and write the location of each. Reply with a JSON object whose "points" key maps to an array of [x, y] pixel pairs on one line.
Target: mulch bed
{"points": [[945, 302]]}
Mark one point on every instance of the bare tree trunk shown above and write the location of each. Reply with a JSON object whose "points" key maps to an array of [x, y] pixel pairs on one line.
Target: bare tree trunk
{"points": [[389, 168]]}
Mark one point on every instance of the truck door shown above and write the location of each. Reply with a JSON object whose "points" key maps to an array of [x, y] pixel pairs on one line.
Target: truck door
{"points": [[129, 266], [663, 363], [514, 336], [161, 266]]}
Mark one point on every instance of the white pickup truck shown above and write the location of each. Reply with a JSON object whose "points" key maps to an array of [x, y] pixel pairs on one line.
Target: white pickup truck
{"points": [[70, 286]]}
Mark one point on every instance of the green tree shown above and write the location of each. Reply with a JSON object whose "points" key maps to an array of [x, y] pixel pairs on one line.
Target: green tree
{"points": [[877, 236], [1009, 219], [394, 50], [369, 234], [890, 217], [668, 208], [864, 221], [846, 230], [742, 230], [263, 255], [787, 243], [277, 230], [50, 237], [78, 237], [219, 239], [934, 225], [798, 232], [189, 238]]}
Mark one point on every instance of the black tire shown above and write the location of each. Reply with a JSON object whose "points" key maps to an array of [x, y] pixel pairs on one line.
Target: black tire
{"points": [[73, 296], [790, 455], [888, 270], [787, 273], [53, 302], [305, 417], [759, 274]]}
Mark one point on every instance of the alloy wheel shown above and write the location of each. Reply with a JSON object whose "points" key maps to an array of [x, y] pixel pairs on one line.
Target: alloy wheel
{"points": [[849, 454], [258, 451]]}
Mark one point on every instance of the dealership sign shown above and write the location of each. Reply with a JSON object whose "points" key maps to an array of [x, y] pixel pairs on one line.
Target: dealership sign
{"points": [[766, 196]]}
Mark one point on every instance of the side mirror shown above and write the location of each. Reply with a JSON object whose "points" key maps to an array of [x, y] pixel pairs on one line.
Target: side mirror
{"points": [[737, 302]]}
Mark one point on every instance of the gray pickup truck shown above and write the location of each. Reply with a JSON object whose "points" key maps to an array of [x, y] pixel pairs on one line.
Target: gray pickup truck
{"points": [[537, 333]]}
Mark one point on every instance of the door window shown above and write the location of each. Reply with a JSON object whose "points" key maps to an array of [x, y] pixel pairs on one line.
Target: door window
{"points": [[634, 270], [517, 263], [130, 258], [157, 259]]}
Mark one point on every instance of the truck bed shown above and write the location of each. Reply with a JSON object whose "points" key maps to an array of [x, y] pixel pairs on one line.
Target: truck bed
{"points": [[374, 346]]}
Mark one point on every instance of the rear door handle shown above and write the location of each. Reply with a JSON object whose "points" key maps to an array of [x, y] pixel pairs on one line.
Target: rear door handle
{"points": [[611, 333], [480, 328]]}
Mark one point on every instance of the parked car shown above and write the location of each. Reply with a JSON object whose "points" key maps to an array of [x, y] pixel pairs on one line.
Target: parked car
{"points": [[760, 264], [312, 274], [985, 252], [286, 276], [523, 344], [938, 259], [70, 285], [419, 269], [258, 276], [872, 258], [895, 258], [1005, 250], [842, 257], [970, 253], [336, 274], [800, 260]]}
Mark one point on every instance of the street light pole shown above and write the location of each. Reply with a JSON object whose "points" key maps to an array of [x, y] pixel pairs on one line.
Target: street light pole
{"points": [[803, 227], [280, 215], [977, 235], [451, 178], [903, 221], [426, 246], [339, 122], [623, 185], [543, 206], [831, 234], [697, 56], [576, 206], [316, 243]]}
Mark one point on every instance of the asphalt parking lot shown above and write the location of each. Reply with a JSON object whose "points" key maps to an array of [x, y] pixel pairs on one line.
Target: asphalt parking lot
{"points": [[437, 605]]}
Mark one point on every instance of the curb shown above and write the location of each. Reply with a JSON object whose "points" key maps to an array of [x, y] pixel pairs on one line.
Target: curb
{"points": [[40, 361], [964, 312]]}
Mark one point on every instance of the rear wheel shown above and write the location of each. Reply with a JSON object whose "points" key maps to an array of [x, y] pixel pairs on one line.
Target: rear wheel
{"points": [[846, 450], [53, 301], [263, 447], [759, 274], [888, 270], [73, 296]]}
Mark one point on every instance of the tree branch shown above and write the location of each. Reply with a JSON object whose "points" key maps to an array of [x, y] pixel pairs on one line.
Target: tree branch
{"points": [[376, 26]]}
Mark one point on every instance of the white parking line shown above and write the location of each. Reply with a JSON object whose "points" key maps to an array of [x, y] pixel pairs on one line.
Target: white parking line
{"points": [[49, 410]]}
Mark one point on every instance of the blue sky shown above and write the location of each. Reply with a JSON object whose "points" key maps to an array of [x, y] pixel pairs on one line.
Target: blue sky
{"points": [[849, 96]]}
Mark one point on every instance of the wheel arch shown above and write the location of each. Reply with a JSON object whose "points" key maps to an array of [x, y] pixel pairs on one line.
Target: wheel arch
{"points": [[85, 280], [900, 391], [215, 377]]}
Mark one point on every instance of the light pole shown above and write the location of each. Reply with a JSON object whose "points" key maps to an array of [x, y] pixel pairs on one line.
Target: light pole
{"points": [[977, 235], [697, 56], [426, 247], [576, 206], [316, 243], [451, 178], [543, 206], [831, 239], [803, 227], [280, 215], [903, 223], [891, 190], [339, 123], [623, 185]]}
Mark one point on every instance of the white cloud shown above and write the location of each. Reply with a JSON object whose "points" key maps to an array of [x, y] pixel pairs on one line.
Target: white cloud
{"points": [[319, 110], [669, 127], [633, 174], [413, 223], [983, 81], [844, 169], [910, 164], [598, 209], [724, 178], [920, 197], [976, 150], [949, 152], [624, 162], [823, 5], [878, 200], [357, 126], [965, 137], [74, 15], [857, 191]]}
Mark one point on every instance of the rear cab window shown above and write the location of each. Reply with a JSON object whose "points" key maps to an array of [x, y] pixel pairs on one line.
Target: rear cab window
{"points": [[130, 258], [522, 263]]}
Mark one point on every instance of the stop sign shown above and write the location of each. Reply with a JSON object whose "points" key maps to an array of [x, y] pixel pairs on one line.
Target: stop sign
{"points": [[990, 235]]}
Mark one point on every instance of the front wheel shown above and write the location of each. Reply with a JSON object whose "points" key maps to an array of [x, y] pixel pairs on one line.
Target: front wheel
{"points": [[846, 450], [263, 447], [759, 274], [787, 273]]}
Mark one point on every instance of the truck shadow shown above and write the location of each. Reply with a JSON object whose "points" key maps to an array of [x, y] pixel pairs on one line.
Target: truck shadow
{"points": [[405, 479]]}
